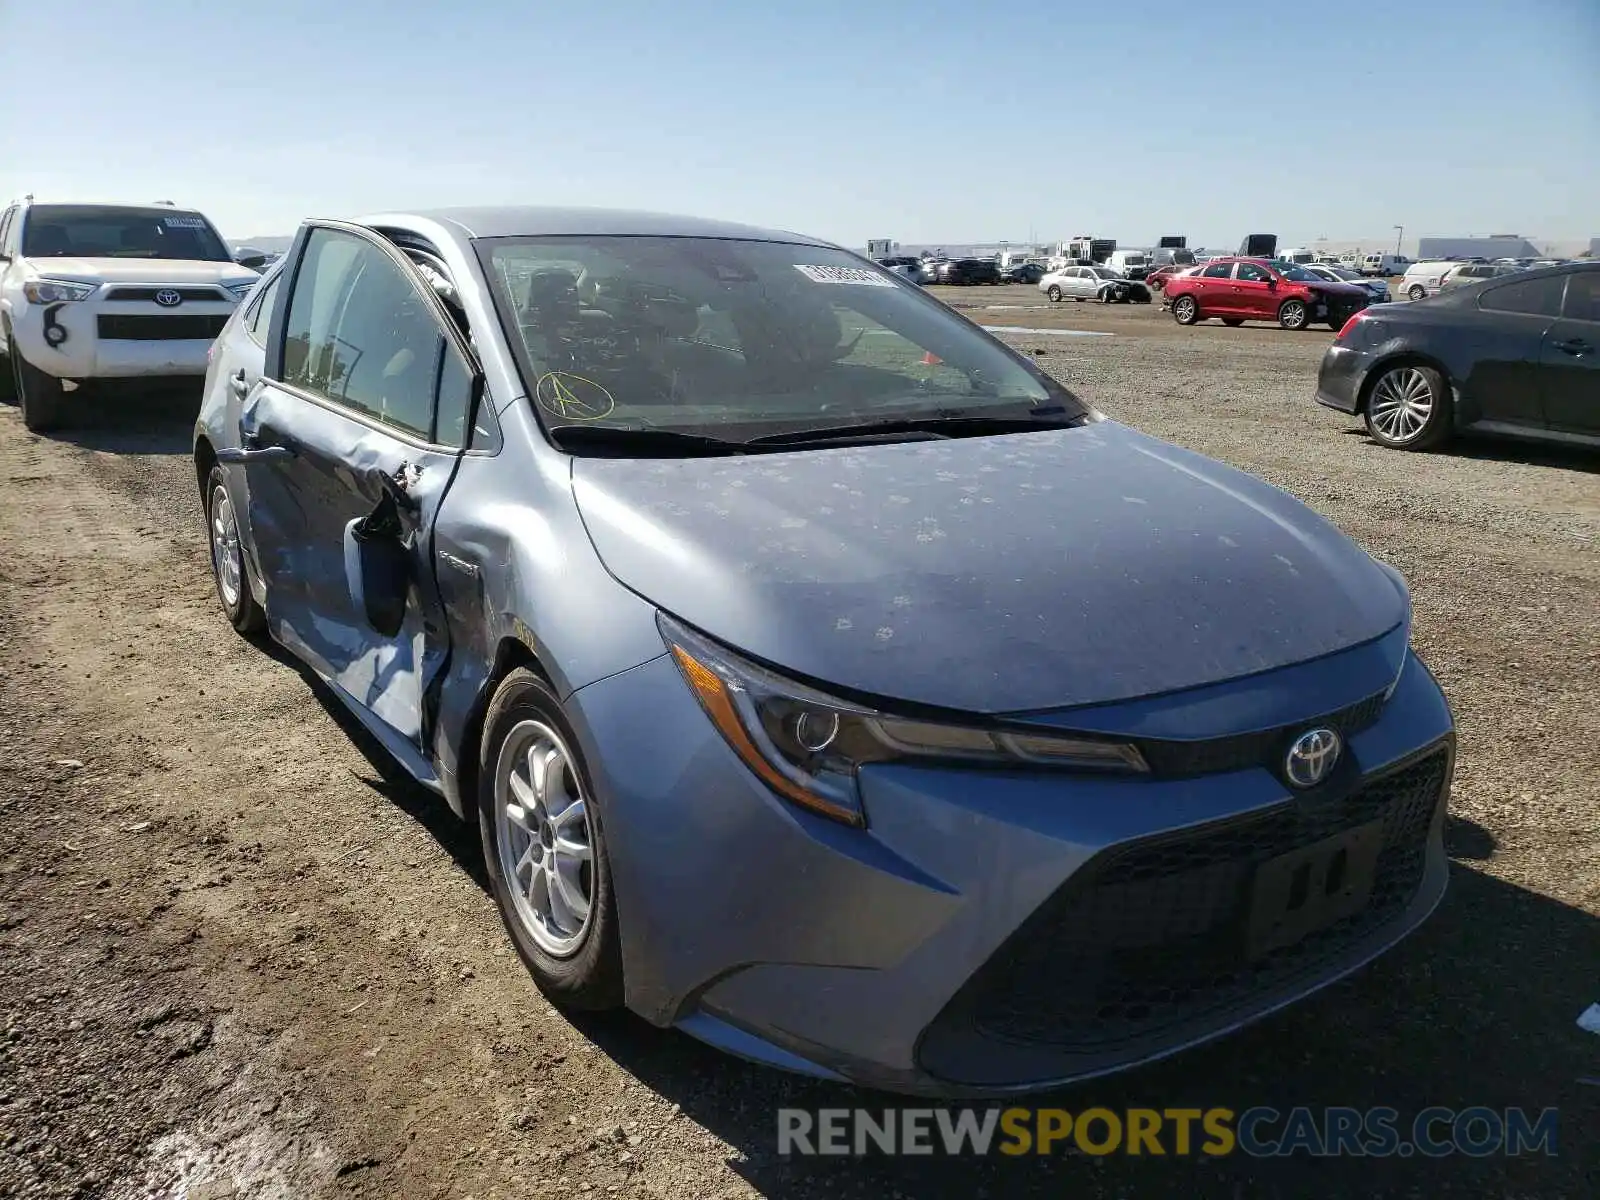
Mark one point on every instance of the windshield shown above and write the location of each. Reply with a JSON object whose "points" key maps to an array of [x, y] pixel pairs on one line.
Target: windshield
{"points": [[83, 231], [733, 338], [1104, 272], [1297, 274]]}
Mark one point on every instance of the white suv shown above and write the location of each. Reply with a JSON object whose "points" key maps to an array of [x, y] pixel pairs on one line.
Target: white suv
{"points": [[99, 291]]}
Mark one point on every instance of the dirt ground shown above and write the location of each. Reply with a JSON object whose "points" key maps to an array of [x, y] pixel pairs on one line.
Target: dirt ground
{"points": [[240, 956]]}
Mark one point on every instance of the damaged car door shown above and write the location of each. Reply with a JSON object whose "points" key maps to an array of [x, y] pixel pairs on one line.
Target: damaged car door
{"points": [[347, 463]]}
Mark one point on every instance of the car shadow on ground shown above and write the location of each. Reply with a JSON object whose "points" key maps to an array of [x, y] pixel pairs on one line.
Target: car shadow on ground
{"points": [[1509, 450], [131, 421], [1477, 1008], [388, 779]]}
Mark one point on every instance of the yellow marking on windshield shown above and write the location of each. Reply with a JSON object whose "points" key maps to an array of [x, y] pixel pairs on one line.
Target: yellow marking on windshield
{"points": [[573, 396]]}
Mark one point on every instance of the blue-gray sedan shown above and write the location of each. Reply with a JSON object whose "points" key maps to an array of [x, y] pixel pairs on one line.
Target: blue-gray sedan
{"points": [[826, 680]]}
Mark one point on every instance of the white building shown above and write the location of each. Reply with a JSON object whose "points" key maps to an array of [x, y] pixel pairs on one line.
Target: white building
{"points": [[1500, 245]]}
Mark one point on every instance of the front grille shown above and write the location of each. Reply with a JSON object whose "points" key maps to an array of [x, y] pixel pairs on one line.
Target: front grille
{"points": [[148, 294], [1265, 748], [1151, 938], [132, 327]]}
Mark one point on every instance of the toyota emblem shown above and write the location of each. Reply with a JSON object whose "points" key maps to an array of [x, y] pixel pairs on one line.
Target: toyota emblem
{"points": [[1312, 757], [168, 298]]}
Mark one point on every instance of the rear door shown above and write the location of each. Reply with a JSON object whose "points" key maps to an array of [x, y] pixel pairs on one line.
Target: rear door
{"points": [[1570, 359], [1214, 290], [1508, 339], [347, 459]]}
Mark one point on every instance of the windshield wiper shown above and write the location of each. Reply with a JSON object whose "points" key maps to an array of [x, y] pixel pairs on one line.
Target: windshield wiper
{"points": [[643, 443], [932, 425]]}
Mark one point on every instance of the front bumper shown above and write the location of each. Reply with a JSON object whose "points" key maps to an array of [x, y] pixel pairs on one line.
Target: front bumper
{"points": [[1340, 378], [990, 932], [92, 339]]}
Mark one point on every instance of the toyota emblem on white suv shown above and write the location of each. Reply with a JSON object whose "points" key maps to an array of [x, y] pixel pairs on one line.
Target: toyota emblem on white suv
{"points": [[168, 298], [1312, 757]]}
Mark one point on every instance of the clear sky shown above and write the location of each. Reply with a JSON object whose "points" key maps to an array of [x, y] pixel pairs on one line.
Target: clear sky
{"points": [[958, 120]]}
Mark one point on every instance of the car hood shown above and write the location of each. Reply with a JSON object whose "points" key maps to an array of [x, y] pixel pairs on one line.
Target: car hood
{"points": [[996, 574], [142, 270]]}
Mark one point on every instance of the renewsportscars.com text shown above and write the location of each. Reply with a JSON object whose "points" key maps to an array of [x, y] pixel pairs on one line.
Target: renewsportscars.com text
{"points": [[1259, 1132]]}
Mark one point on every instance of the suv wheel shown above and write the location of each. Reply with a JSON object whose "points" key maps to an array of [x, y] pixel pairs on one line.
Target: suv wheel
{"points": [[1185, 311], [545, 849], [1408, 408], [1293, 314], [38, 394], [1417, 292]]}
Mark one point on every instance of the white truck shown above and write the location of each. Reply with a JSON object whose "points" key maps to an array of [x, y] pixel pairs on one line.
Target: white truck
{"points": [[1384, 265], [108, 292]]}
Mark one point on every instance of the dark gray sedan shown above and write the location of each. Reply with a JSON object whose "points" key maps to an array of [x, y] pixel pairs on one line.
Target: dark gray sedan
{"points": [[824, 679]]}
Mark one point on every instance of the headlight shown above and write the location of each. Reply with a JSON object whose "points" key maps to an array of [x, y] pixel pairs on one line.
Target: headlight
{"points": [[240, 290], [807, 746], [56, 291]]}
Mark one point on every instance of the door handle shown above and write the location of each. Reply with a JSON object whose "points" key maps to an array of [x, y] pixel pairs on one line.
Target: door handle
{"points": [[237, 382], [1573, 346], [250, 450]]}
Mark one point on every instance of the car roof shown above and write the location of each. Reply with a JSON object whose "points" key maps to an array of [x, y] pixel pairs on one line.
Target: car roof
{"points": [[536, 221]]}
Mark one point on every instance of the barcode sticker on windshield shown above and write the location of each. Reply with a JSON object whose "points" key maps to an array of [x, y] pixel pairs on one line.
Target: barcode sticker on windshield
{"points": [[184, 222], [858, 275]]}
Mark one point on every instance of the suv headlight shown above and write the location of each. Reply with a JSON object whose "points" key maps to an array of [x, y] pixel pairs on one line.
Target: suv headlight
{"points": [[240, 290], [807, 746], [56, 291]]}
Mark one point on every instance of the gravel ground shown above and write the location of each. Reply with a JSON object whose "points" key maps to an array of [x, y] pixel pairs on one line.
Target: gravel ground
{"points": [[241, 957]]}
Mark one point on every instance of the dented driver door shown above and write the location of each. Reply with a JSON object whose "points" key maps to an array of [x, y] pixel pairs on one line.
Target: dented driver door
{"points": [[346, 472]]}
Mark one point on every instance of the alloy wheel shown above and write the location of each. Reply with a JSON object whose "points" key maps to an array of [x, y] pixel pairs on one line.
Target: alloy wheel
{"points": [[544, 837], [1401, 404], [225, 551]]}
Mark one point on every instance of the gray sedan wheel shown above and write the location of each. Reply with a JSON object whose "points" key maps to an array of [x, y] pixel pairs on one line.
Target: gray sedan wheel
{"points": [[227, 558], [1416, 291], [544, 847], [1408, 408], [1054, 293]]}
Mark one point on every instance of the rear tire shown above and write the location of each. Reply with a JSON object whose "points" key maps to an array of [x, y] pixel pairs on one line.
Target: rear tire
{"points": [[1185, 311], [1233, 322], [40, 395], [1409, 408], [576, 968], [227, 559], [1294, 315]]}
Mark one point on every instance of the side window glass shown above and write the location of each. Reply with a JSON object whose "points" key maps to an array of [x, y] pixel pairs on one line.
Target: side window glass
{"points": [[1253, 273], [1583, 296], [360, 334], [5, 230], [1530, 297], [260, 315], [455, 398], [1218, 271]]}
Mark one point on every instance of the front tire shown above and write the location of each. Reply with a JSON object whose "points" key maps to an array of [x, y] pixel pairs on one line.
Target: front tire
{"points": [[1294, 315], [1053, 293], [1185, 311], [1417, 292], [544, 847], [1409, 408], [227, 559], [39, 394]]}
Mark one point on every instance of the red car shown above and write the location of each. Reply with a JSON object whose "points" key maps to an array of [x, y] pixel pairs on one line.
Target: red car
{"points": [[1158, 278], [1261, 289]]}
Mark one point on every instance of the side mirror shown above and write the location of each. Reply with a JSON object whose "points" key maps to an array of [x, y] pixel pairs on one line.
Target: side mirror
{"points": [[378, 568]]}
